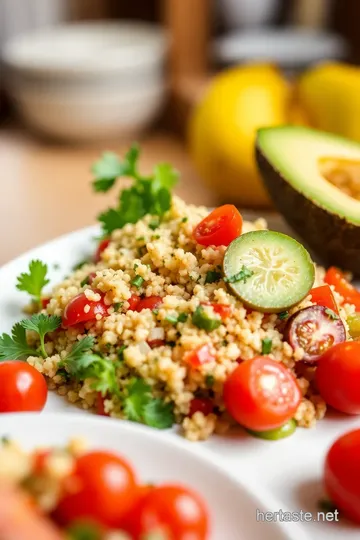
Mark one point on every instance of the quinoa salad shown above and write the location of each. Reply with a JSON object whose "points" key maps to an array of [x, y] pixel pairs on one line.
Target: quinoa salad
{"points": [[186, 316], [67, 493]]}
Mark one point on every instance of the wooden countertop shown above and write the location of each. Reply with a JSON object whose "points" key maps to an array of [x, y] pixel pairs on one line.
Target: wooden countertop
{"points": [[45, 188]]}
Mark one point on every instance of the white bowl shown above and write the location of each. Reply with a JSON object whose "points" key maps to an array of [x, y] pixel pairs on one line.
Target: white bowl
{"points": [[88, 81], [157, 458]]}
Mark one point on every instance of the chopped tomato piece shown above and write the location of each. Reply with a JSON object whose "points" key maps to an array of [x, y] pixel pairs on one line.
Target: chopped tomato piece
{"points": [[200, 356], [154, 343], [91, 278], [45, 302], [133, 302], [203, 405], [351, 295], [101, 247], [220, 227], [261, 394], [80, 309], [323, 296], [100, 409], [40, 460], [224, 310], [150, 302]]}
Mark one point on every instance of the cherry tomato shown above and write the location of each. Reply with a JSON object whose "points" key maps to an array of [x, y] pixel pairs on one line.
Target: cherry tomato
{"points": [[199, 356], [154, 343], [150, 302], [350, 294], [220, 227], [75, 312], [133, 302], [45, 302], [323, 296], [261, 394], [342, 474], [224, 310], [203, 405], [338, 376], [100, 410], [101, 489], [101, 247], [22, 388], [177, 511]]}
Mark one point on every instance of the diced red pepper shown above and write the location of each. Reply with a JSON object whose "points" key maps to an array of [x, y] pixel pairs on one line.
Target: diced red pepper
{"points": [[323, 296], [224, 310], [133, 302], [100, 408], [150, 302], [203, 405], [199, 356], [39, 460]]}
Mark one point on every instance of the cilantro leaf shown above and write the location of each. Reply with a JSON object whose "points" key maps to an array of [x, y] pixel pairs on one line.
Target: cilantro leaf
{"points": [[79, 357], [159, 414], [42, 324], [15, 347], [138, 396], [243, 275], [212, 276], [140, 406], [35, 280], [148, 195], [283, 315], [331, 314]]}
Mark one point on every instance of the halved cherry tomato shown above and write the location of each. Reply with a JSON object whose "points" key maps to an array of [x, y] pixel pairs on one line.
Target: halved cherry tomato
{"points": [[199, 356], [338, 376], [150, 302], [350, 294], [342, 474], [101, 247], [133, 302], [323, 296], [22, 388], [203, 405], [154, 343], [101, 489], [220, 227], [174, 510], [261, 394], [76, 312], [100, 409], [224, 310], [45, 302]]}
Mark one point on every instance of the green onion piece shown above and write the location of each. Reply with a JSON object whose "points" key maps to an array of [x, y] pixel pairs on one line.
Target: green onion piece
{"points": [[209, 381], [212, 276], [172, 319], [266, 346], [137, 281], [85, 281], [202, 320], [283, 315]]}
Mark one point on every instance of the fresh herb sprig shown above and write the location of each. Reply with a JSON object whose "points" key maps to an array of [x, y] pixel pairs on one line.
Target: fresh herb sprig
{"points": [[15, 346], [243, 275], [140, 406], [34, 280], [147, 195]]}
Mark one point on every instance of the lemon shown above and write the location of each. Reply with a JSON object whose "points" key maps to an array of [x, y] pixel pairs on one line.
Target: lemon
{"points": [[222, 129]]}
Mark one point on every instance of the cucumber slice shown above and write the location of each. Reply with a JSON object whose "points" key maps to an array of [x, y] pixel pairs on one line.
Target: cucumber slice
{"points": [[269, 271], [276, 434]]}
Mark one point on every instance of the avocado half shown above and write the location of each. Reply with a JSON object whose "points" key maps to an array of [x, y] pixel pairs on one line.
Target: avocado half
{"points": [[302, 170]]}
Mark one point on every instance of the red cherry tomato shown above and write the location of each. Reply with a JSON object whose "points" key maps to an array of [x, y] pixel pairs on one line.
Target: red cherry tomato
{"points": [[220, 227], [76, 311], [101, 489], [261, 394], [199, 356], [154, 343], [45, 302], [323, 296], [101, 247], [150, 302], [224, 310], [100, 410], [350, 294], [203, 405], [338, 376], [342, 474], [22, 388], [174, 510], [133, 302]]}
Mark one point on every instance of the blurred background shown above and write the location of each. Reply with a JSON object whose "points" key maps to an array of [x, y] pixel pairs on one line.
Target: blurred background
{"points": [[191, 80]]}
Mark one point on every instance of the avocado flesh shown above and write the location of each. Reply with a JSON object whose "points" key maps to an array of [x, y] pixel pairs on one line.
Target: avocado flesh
{"points": [[327, 219]]}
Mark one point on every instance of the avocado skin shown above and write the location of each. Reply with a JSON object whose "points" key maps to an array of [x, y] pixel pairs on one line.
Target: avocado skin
{"points": [[334, 239]]}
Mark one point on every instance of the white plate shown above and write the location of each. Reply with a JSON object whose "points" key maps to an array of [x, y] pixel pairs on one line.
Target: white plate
{"points": [[290, 470], [158, 458]]}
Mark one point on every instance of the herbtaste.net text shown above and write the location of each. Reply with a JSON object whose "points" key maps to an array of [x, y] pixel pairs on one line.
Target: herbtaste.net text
{"points": [[302, 516]]}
